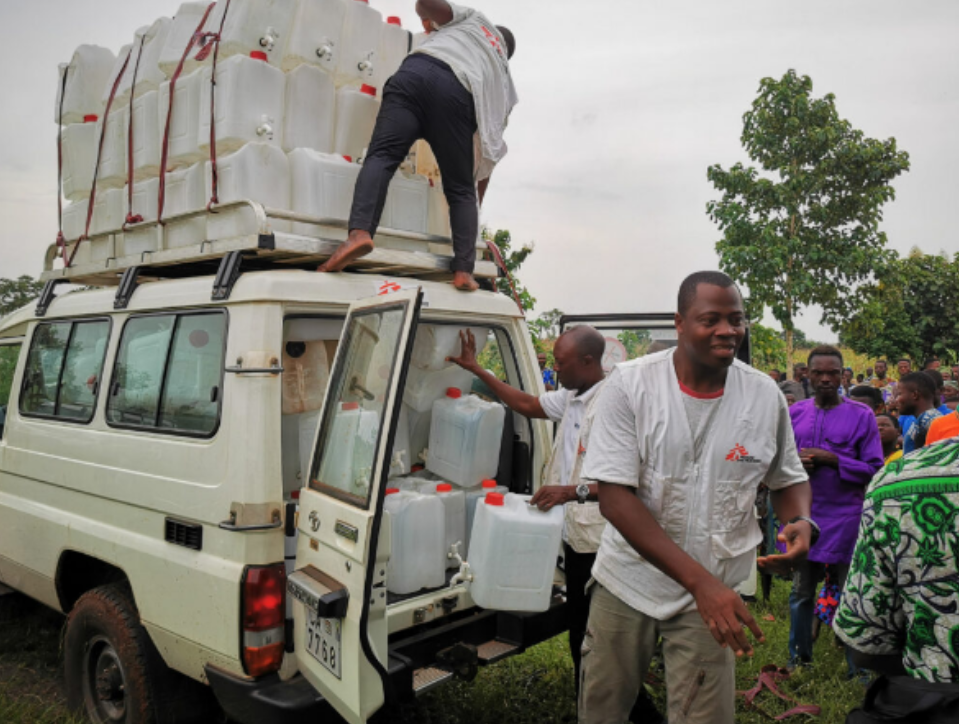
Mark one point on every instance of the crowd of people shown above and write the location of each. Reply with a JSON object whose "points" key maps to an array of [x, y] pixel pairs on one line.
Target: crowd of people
{"points": [[658, 467]]}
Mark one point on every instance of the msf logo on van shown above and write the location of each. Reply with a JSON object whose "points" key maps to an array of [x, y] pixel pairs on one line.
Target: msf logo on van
{"points": [[739, 454]]}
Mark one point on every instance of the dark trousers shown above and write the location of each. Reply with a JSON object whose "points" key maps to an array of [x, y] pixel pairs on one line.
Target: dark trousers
{"points": [[424, 100]]}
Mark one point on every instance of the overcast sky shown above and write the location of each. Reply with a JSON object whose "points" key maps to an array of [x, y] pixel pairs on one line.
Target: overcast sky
{"points": [[623, 106]]}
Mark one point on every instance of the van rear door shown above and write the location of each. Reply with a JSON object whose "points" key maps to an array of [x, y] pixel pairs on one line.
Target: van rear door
{"points": [[339, 586]]}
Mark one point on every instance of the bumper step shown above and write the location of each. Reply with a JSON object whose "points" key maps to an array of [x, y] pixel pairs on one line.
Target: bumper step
{"points": [[429, 678], [493, 651]]}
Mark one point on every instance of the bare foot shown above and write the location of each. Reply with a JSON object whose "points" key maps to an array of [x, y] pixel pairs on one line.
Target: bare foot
{"points": [[464, 281], [358, 244]]}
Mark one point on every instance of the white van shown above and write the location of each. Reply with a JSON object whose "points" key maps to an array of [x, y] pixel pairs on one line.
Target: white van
{"points": [[160, 475]]}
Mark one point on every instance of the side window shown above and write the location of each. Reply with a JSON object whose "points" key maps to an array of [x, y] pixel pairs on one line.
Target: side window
{"points": [[169, 374], [64, 370], [9, 354]]}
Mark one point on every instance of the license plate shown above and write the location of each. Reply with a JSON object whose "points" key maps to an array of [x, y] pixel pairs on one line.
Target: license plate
{"points": [[323, 641]]}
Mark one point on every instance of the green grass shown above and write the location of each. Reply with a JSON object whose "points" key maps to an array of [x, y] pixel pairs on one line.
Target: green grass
{"points": [[536, 687]]}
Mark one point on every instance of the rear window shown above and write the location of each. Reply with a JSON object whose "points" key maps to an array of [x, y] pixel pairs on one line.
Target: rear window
{"points": [[64, 370], [169, 374]]}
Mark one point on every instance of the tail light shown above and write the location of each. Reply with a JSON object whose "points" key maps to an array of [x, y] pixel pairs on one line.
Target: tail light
{"points": [[263, 619]]}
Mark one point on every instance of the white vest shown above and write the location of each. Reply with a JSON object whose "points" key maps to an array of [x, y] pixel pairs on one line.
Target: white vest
{"points": [[584, 523], [704, 504]]}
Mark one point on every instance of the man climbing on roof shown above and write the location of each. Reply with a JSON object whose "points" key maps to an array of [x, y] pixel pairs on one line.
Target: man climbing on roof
{"points": [[455, 91]]}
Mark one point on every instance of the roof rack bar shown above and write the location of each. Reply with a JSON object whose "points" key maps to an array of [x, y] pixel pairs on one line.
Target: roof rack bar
{"points": [[47, 296], [226, 276], [128, 285]]}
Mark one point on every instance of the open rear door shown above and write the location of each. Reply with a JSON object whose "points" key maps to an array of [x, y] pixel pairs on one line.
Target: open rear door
{"points": [[339, 587], [629, 336]]}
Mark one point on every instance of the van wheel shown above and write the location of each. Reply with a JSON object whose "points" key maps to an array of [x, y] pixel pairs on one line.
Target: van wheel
{"points": [[109, 661]]}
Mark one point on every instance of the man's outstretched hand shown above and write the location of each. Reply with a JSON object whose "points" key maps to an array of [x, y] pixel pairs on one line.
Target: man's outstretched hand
{"points": [[726, 616], [467, 358], [797, 537]]}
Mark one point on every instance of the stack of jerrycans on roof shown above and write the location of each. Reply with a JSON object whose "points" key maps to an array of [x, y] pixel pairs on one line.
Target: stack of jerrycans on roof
{"points": [[284, 119]]}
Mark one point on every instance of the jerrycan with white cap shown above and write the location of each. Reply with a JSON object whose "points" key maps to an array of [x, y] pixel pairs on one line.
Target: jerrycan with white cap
{"points": [[346, 465], [513, 553], [79, 148], [360, 44], [310, 110], [87, 74], [356, 111], [260, 25], [315, 36], [465, 438], [249, 103], [417, 536]]}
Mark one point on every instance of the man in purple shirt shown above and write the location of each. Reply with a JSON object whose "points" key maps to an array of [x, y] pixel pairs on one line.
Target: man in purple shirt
{"points": [[839, 444]]}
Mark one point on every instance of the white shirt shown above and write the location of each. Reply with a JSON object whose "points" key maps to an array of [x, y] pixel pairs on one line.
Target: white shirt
{"points": [[570, 407], [703, 499], [473, 47]]}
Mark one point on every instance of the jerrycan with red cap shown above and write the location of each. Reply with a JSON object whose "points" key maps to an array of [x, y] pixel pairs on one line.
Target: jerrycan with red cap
{"points": [[394, 47], [417, 534], [454, 504], [465, 438], [356, 111], [359, 44], [513, 552]]}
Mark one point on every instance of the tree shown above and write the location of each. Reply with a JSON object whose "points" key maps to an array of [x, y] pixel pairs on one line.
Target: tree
{"points": [[513, 259], [547, 325], [910, 311], [805, 229], [16, 293], [768, 348]]}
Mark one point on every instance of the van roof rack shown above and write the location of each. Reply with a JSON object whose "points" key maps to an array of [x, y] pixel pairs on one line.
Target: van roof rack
{"points": [[263, 242]]}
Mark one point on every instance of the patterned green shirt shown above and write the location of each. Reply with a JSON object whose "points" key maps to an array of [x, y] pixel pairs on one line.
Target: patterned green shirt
{"points": [[902, 593]]}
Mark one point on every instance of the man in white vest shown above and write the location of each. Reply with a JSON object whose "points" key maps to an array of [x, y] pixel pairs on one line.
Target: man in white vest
{"points": [[579, 370], [680, 442]]}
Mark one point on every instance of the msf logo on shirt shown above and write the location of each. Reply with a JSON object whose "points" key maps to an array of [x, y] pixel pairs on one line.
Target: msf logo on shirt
{"points": [[494, 41], [739, 454]]}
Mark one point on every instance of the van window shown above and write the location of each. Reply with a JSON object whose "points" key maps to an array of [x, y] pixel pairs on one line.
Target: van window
{"points": [[64, 370], [169, 374], [9, 354]]}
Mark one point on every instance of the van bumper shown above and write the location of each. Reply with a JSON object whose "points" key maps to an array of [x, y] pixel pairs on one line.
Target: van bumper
{"points": [[267, 700]]}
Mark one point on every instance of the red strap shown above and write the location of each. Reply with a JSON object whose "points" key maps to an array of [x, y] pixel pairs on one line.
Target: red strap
{"points": [[131, 218], [498, 258], [214, 172], [769, 677], [61, 240], [96, 172], [165, 154]]}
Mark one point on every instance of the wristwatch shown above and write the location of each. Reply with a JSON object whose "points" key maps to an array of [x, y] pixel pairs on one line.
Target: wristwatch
{"points": [[812, 524], [582, 493]]}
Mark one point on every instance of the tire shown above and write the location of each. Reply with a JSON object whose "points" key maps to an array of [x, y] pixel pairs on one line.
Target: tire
{"points": [[113, 672]]}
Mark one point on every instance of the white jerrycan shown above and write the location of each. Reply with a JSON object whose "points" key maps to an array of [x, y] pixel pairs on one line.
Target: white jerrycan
{"points": [[417, 536], [513, 553], [87, 75], [454, 503], [249, 103], [254, 25], [79, 144], [360, 45], [394, 47], [310, 110], [145, 203], [322, 187], [122, 70], [473, 497], [149, 76], [147, 136], [185, 192], [436, 342], [257, 172], [465, 438], [356, 111], [407, 204], [438, 223], [315, 36], [184, 25], [424, 387], [75, 219], [109, 211], [184, 137], [113, 161], [346, 464]]}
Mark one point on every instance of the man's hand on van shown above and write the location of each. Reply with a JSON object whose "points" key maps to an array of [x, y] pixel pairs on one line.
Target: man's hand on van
{"points": [[467, 358], [549, 496]]}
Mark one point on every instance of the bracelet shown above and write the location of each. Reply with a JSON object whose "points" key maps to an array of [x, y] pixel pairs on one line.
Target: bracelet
{"points": [[816, 532]]}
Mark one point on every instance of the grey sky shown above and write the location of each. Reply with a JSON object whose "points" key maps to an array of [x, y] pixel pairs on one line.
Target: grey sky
{"points": [[623, 106]]}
